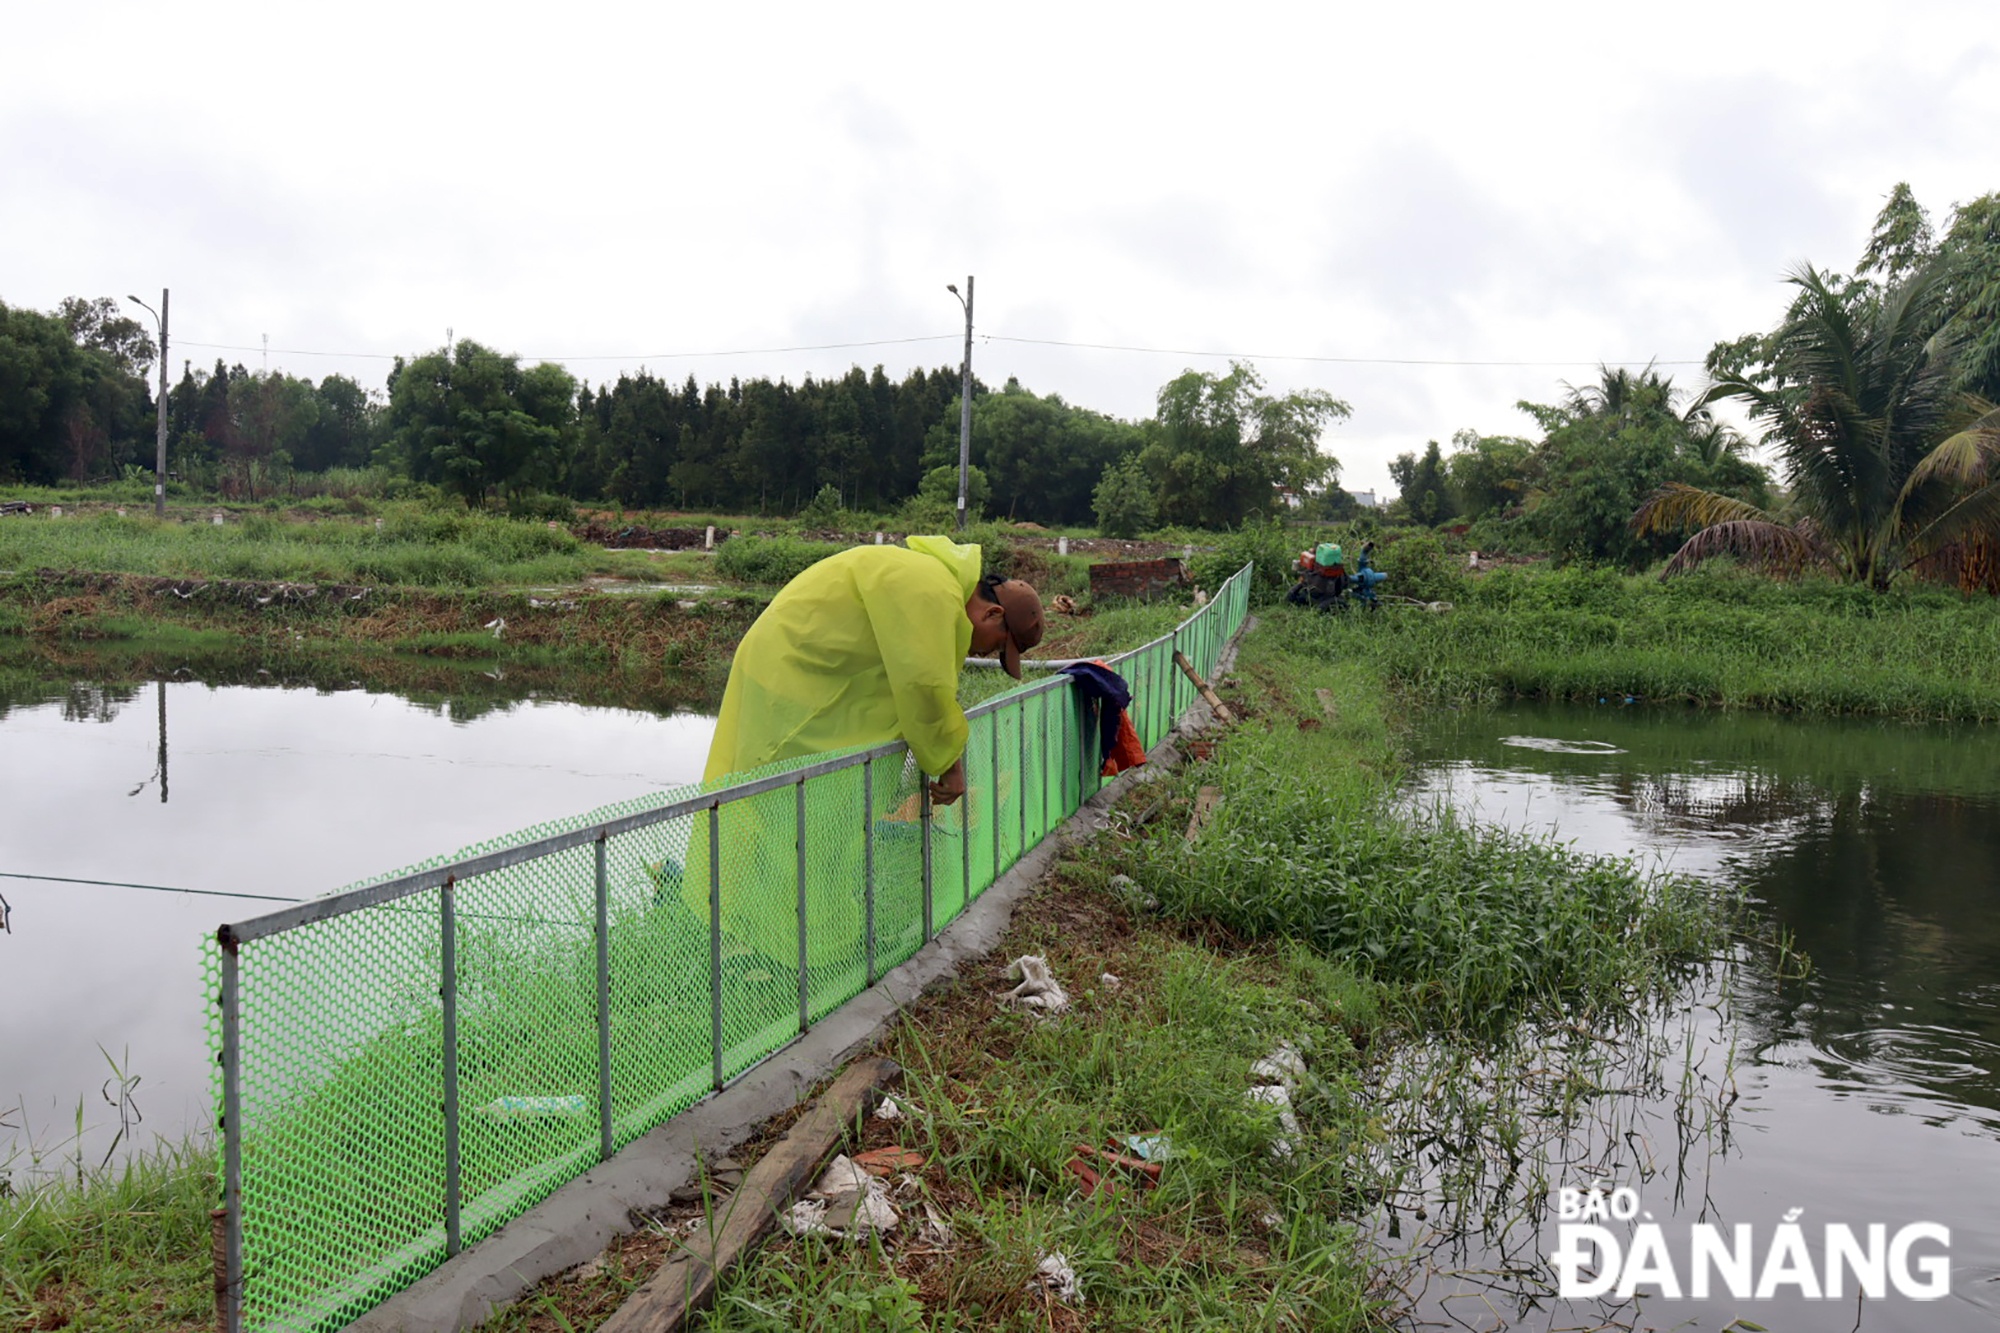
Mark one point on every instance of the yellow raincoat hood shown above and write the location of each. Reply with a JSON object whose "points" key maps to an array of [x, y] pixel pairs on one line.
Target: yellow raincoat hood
{"points": [[862, 648]]}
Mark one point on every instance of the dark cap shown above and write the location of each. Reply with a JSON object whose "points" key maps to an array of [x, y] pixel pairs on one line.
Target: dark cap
{"points": [[1023, 606]]}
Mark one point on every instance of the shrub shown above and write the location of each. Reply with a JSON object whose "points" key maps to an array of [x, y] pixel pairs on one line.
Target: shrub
{"points": [[1269, 544], [823, 510], [1123, 500], [1418, 566], [769, 559]]}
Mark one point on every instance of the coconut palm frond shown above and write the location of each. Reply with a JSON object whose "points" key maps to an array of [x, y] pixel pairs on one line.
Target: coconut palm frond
{"points": [[1773, 547], [1973, 517], [1969, 458], [1676, 507]]}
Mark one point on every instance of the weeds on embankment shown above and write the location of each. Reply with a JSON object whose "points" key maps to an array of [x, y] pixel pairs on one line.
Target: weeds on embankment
{"points": [[1489, 1023], [1729, 639], [412, 547]]}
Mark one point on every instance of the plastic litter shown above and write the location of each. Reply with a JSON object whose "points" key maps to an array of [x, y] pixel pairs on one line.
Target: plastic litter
{"points": [[1039, 988], [1150, 1147], [886, 1109], [1111, 981], [533, 1108], [846, 1202], [1056, 1275], [1283, 1066], [1279, 1096]]}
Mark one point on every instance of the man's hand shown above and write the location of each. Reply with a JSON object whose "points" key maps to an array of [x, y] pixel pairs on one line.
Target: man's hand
{"points": [[949, 785]]}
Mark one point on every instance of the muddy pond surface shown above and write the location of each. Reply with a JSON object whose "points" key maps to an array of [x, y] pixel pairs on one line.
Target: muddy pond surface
{"points": [[241, 796], [1863, 1094]]}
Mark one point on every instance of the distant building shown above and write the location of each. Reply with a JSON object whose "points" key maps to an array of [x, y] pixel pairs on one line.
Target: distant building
{"points": [[1289, 497], [1366, 499]]}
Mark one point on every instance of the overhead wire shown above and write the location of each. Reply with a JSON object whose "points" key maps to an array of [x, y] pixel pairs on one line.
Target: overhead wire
{"points": [[1009, 338]]}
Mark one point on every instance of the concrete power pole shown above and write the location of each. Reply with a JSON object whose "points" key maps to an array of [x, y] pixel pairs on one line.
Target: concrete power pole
{"points": [[964, 400], [160, 457]]}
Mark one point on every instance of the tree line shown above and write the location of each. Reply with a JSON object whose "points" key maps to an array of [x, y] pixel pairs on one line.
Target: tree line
{"points": [[474, 422]]}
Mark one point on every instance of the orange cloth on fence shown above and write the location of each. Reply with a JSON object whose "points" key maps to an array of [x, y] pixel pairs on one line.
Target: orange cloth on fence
{"points": [[1126, 752]]}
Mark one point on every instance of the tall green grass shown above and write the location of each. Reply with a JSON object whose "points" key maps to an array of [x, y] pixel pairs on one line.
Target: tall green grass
{"points": [[1474, 925], [413, 546], [1733, 640], [126, 1247]]}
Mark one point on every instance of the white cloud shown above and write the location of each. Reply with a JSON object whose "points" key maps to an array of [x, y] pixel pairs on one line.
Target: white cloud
{"points": [[1549, 182]]}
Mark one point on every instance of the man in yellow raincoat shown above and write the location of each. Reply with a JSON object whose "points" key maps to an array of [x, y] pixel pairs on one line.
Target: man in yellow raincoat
{"points": [[862, 648], [865, 647]]}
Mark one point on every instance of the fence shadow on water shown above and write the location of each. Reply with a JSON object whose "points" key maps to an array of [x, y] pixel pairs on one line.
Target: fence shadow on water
{"points": [[406, 1065]]}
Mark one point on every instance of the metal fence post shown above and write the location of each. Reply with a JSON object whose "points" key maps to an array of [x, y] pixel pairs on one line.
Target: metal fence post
{"points": [[924, 796], [603, 1005], [800, 825], [448, 990], [993, 780], [1020, 712], [1042, 769], [965, 847], [715, 936], [868, 862], [232, 1136]]}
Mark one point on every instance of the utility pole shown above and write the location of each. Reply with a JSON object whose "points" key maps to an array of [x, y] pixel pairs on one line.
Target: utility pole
{"points": [[964, 399], [160, 458]]}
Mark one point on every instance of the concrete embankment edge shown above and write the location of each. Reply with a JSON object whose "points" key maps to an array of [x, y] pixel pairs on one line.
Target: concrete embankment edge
{"points": [[588, 1213]]}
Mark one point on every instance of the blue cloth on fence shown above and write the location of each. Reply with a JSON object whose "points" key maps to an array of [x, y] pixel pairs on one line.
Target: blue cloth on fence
{"points": [[1098, 686]]}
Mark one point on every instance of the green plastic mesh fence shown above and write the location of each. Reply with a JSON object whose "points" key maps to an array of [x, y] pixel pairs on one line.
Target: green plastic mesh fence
{"points": [[409, 1074]]}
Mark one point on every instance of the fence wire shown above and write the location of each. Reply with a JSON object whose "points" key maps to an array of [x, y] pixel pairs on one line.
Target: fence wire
{"points": [[404, 1066]]}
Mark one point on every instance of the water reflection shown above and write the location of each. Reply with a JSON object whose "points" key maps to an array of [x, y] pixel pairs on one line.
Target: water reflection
{"points": [[276, 793], [1866, 1092]]}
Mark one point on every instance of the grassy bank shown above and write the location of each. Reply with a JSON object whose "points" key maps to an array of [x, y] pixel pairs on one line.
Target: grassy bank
{"points": [[413, 546], [1308, 913], [1731, 640]]}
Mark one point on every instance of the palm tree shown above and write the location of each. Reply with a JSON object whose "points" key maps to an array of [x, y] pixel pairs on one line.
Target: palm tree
{"points": [[1889, 468]]}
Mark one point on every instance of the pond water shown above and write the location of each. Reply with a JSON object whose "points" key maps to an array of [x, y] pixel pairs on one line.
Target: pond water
{"points": [[241, 797], [1867, 1092]]}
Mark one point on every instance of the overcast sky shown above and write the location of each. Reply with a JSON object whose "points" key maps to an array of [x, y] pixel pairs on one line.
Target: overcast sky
{"points": [[1357, 198]]}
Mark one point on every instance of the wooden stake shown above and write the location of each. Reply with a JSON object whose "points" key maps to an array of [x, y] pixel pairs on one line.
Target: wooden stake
{"points": [[1204, 801], [687, 1283], [1222, 712]]}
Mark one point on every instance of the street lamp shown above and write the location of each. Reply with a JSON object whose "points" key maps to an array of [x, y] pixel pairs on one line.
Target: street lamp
{"points": [[160, 458], [964, 399]]}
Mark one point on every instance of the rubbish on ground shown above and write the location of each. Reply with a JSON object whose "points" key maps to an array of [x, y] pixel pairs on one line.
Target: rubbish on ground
{"points": [[846, 1202], [687, 1281], [1111, 981], [1150, 1170], [888, 1110], [1283, 1066], [1089, 1181], [1280, 1096], [534, 1108], [1205, 802], [887, 1161], [1132, 895], [1055, 1274], [1039, 988], [1150, 1147], [934, 1231]]}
